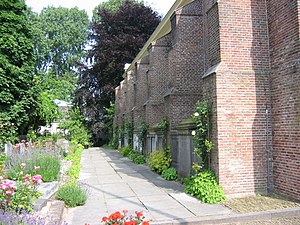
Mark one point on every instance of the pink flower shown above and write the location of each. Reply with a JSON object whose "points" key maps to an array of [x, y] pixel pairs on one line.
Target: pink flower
{"points": [[17, 145], [9, 192], [27, 176], [23, 165], [37, 179], [23, 141], [7, 201]]}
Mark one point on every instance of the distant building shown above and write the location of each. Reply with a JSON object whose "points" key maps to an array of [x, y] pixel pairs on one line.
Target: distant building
{"points": [[63, 107]]}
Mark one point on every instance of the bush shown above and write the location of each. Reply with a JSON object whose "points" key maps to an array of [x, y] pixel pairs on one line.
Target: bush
{"points": [[2, 163], [75, 157], [137, 157], [204, 186], [133, 155], [20, 194], [72, 194], [160, 160], [169, 174], [126, 151]]}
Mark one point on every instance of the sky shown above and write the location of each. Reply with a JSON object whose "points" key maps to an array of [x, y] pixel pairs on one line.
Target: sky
{"points": [[161, 6]]}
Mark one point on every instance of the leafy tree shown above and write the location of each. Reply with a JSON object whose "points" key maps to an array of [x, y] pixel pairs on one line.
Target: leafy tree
{"points": [[74, 127], [61, 35], [17, 96], [118, 36]]}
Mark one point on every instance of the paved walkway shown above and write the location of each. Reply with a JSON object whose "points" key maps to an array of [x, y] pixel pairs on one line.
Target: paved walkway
{"points": [[115, 183]]}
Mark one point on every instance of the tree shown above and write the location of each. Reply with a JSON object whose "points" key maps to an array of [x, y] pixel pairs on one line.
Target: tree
{"points": [[118, 36], [17, 96], [61, 35]]}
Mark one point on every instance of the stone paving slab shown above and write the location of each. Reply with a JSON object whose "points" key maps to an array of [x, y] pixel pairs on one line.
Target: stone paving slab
{"points": [[115, 183]]}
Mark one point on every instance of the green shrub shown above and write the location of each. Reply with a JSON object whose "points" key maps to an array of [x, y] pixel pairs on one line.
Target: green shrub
{"points": [[2, 163], [137, 157], [204, 186], [20, 194], [75, 157], [126, 151], [72, 194], [160, 160], [169, 174], [133, 155]]}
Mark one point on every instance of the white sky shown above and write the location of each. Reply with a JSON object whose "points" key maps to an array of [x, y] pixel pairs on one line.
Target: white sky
{"points": [[161, 6]]}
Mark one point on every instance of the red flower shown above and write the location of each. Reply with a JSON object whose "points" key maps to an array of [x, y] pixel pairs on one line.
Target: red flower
{"points": [[139, 214], [125, 211], [104, 218], [131, 222], [115, 216], [145, 223]]}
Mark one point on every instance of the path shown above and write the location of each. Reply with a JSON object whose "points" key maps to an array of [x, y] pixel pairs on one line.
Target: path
{"points": [[115, 183]]}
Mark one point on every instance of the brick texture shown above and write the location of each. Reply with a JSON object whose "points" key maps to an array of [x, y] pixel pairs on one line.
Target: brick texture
{"points": [[285, 81]]}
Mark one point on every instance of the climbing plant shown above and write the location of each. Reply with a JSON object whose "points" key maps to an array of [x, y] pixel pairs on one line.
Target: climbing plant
{"points": [[142, 134], [129, 132], [202, 143], [163, 125], [203, 184]]}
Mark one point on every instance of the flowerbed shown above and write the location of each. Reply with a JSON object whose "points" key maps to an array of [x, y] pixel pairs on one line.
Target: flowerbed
{"points": [[118, 218], [19, 195]]}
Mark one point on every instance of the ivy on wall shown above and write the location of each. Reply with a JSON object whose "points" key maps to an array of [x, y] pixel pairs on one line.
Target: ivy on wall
{"points": [[203, 145], [163, 125]]}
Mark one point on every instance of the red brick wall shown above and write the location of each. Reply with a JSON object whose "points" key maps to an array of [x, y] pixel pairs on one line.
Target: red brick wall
{"points": [[185, 63], [242, 96], [157, 79], [285, 81], [141, 91]]}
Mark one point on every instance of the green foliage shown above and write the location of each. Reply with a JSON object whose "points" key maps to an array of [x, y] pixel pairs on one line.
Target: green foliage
{"points": [[109, 122], [142, 134], [163, 124], [133, 155], [129, 131], [48, 110], [2, 163], [62, 88], [160, 160], [20, 194], [72, 194], [204, 186], [137, 157], [60, 38], [169, 174], [49, 165], [201, 137], [74, 128], [125, 151], [75, 157], [17, 95]]}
